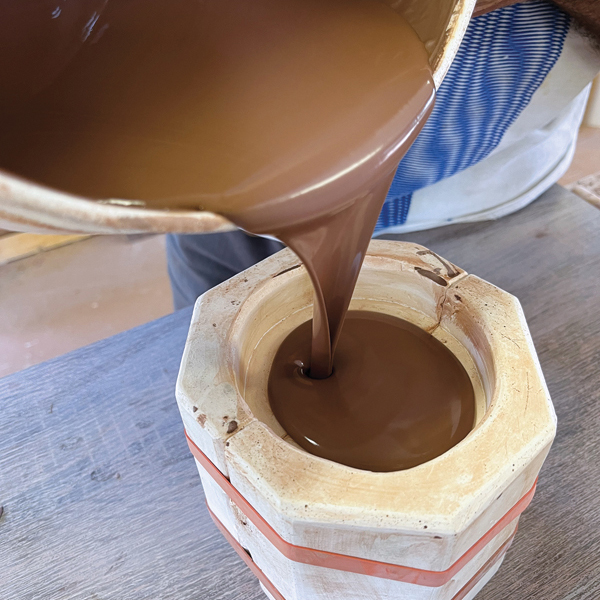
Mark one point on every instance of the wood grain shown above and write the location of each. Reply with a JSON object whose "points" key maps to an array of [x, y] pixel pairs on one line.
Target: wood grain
{"points": [[101, 497], [102, 500]]}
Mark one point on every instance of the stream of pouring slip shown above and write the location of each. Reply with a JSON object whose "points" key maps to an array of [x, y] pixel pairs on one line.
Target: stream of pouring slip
{"points": [[287, 117], [329, 223]]}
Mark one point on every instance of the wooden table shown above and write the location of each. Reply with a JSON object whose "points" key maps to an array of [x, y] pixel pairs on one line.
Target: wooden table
{"points": [[102, 500]]}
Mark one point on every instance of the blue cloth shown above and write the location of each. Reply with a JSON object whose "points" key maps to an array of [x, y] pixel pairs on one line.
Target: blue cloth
{"points": [[503, 59]]}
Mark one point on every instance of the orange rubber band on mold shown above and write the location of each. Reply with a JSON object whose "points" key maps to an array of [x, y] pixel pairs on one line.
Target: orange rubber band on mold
{"points": [[354, 564], [270, 587]]}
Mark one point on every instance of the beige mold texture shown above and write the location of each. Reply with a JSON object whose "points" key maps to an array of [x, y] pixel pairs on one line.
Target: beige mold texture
{"points": [[424, 518]]}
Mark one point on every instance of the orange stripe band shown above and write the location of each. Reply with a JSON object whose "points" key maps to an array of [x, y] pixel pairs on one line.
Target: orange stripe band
{"points": [[353, 564], [260, 574]]}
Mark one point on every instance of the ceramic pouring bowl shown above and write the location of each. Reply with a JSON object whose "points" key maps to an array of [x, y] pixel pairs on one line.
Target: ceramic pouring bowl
{"points": [[27, 206]]}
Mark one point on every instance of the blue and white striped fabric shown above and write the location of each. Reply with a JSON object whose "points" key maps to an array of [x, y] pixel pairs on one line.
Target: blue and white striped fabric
{"points": [[504, 58]]}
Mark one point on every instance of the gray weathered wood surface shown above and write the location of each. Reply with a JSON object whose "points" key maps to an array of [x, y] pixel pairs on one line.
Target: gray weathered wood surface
{"points": [[102, 500]]}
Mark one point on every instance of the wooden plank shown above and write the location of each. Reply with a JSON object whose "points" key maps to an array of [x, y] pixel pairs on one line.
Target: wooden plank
{"points": [[103, 502], [14, 246], [588, 188], [100, 493]]}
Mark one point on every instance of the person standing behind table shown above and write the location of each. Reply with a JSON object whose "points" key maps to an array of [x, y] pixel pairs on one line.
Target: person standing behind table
{"points": [[503, 130]]}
